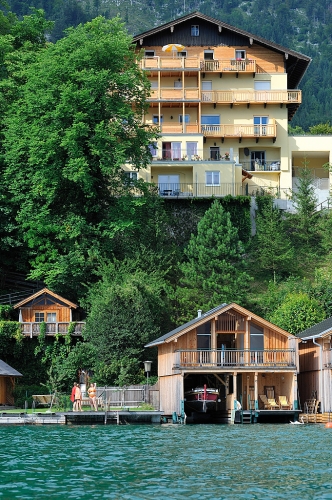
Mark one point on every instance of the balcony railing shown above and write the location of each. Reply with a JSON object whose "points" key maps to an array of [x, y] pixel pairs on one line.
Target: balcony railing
{"points": [[242, 358], [199, 190], [252, 96], [178, 155], [194, 63], [261, 165], [62, 327], [269, 131], [226, 96]]}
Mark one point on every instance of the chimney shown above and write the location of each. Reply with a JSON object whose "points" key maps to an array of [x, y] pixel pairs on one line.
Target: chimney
{"points": [[199, 313]]}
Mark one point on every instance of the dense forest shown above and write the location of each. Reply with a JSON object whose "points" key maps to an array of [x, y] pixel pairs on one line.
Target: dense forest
{"points": [[303, 26], [139, 265]]}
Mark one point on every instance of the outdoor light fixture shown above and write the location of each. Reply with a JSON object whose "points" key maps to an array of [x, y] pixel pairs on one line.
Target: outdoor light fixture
{"points": [[147, 369]]}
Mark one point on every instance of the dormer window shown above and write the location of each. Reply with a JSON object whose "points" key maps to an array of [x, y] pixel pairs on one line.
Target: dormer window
{"points": [[240, 54], [195, 30]]}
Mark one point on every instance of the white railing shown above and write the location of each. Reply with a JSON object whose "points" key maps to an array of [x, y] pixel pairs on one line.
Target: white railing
{"points": [[33, 328], [272, 358]]}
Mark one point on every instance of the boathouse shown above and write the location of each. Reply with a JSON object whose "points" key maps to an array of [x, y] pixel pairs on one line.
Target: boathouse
{"points": [[55, 313], [252, 363], [7, 383], [315, 358]]}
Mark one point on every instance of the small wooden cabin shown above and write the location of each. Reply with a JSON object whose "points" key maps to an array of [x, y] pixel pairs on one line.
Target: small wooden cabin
{"points": [[232, 349], [58, 314], [7, 383], [315, 357]]}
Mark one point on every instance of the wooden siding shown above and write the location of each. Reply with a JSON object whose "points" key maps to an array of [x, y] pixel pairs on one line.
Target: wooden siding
{"points": [[171, 393], [274, 340], [62, 313], [309, 357], [3, 390]]}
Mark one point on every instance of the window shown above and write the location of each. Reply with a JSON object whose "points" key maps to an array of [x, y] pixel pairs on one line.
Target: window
{"points": [[191, 149], [204, 336], [240, 54], [262, 85], [206, 90], [153, 149], [154, 85], [257, 160], [51, 318], [214, 153], [210, 120], [195, 30], [184, 118], [131, 176], [212, 178], [39, 317], [149, 53], [256, 338], [182, 54], [177, 84], [260, 123], [155, 119], [208, 55]]}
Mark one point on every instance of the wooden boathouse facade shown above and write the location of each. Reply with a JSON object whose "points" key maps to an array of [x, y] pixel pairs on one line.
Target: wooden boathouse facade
{"points": [[247, 358]]}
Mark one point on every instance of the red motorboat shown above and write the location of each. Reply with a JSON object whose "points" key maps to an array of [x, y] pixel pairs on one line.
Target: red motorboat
{"points": [[201, 399]]}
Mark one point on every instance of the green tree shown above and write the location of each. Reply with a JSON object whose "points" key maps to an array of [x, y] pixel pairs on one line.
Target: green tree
{"points": [[321, 129], [213, 270], [303, 223], [126, 309], [78, 120], [297, 313], [273, 251]]}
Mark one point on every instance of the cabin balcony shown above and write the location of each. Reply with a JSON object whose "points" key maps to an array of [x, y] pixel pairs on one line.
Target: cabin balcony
{"points": [[261, 165], [243, 359], [32, 329]]}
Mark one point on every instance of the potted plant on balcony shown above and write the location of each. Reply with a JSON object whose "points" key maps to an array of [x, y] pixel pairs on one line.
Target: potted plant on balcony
{"points": [[184, 157], [226, 156]]}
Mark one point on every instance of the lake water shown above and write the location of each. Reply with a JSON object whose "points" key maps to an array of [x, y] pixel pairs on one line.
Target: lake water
{"points": [[170, 461]]}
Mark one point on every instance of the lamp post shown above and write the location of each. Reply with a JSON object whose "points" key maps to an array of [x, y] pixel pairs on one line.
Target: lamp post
{"points": [[147, 369]]}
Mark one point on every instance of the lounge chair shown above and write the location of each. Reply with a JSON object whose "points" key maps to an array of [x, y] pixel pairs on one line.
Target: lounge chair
{"points": [[284, 404], [269, 404]]}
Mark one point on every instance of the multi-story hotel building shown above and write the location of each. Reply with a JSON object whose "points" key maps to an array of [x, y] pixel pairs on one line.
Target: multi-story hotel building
{"points": [[222, 99]]}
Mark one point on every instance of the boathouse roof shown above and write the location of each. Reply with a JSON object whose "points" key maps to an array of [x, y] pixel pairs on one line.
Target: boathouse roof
{"points": [[318, 330], [204, 317], [48, 296]]}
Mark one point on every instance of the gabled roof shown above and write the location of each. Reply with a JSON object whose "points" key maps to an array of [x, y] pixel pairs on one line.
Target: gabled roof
{"points": [[295, 62], [200, 320], [45, 291], [8, 371], [318, 330]]}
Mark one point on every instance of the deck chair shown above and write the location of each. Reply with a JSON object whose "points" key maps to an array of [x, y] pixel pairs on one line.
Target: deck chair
{"points": [[273, 404], [265, 402], [284, 404]]}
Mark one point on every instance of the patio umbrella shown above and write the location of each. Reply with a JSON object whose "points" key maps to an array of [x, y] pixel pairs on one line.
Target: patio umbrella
{"points": [[173, 47]]}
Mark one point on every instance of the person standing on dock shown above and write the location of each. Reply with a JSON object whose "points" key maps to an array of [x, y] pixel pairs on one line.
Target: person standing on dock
{"points": [[78, 399], [72, 397], [92, 392]]}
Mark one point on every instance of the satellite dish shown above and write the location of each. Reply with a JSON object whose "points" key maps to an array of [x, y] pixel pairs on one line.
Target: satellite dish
{"points": [[246, 151]]}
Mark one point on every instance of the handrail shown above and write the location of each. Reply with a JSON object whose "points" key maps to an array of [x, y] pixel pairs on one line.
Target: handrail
{"points": [[235, 357]]}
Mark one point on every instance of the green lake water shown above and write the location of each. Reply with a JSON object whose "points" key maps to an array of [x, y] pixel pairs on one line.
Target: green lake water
{"points": [[173, 462]]}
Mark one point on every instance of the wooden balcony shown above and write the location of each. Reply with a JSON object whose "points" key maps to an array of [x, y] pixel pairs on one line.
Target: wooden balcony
{"points": [[33, 329], [242, 359], [252, 96], [230, 97], [167, 63], [240, 131]]}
